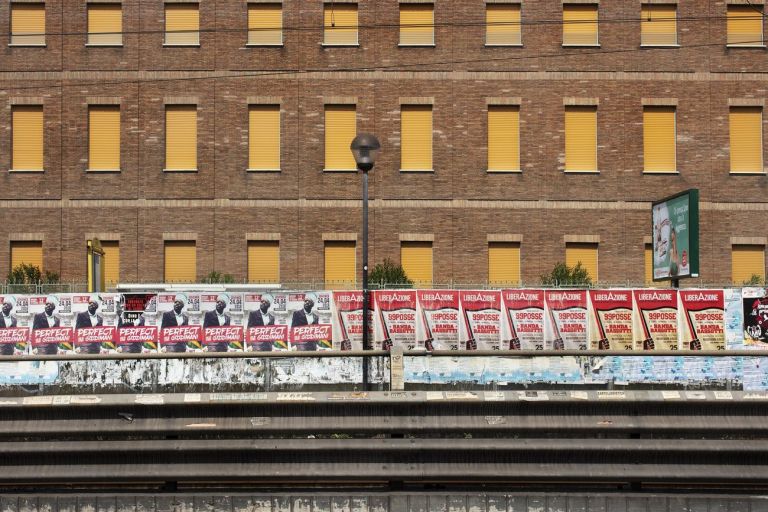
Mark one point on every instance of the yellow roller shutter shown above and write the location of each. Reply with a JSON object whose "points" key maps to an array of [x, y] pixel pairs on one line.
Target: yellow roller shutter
{"points": [[30, 253], [581, 139], [502, 24], [264, 137], [658, 24], [504, 263], [180, 261], [648, 260], [747, 261], [585, 253], [105, 24], [111, 262], [340, 23], [746, 135], [659, 139], [416, 259], [745, 25], [28, 24], [503, 138], [263, 261], [27, 138], [416, 137], [339, 265], [417, 24], [580, 24], [104, 138], [265, 24], [181, 137], [182, 24], [340, 129]]}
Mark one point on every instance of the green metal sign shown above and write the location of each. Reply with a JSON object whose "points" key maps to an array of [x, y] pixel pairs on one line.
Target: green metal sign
{"points": [[675, 229]]}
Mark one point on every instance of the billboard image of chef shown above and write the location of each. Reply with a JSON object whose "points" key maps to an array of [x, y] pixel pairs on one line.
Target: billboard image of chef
{"points": [[675, 232]]}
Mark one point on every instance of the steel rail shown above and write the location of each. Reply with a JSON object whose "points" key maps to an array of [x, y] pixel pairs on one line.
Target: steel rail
{"points": [[384, 353]]}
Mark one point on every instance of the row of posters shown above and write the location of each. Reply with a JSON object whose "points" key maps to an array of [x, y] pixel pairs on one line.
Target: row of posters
{"points": [[518, 319]]}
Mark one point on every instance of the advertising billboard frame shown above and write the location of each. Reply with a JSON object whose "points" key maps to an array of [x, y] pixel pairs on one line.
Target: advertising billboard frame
{"points": [[661, 245]]}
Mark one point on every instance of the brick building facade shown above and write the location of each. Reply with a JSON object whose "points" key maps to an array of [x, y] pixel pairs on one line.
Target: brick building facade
{"points": [[458, 207]]}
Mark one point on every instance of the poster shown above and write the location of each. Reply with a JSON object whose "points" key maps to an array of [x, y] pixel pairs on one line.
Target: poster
{"points": [[13, 340], [261, 338], [480, 325], [702, 319], [755, 308], [676, 236], [610, 320], [265, 320], [656, 320], [51, 318], [222, 322], [52, 341], [310, 321], [523, 319], [347, 313], [395, 320], [437, 326], [180, 325], [132, 339], [565, 327], [92, 334]]}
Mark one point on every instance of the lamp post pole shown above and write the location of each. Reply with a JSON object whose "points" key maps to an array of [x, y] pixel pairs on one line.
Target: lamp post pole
{"points": [[365, 148]]}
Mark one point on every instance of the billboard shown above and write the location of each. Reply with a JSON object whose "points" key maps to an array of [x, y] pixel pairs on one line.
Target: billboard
{"points": [[675, 236]]}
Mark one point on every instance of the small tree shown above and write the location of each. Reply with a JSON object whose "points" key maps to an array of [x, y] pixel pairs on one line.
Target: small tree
{"points": [[754, 280], [26, 273], [389, 273], [215, 277], [563, 275]]}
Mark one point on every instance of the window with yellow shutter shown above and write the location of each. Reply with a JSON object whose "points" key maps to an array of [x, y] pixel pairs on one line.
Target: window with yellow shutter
{"points": [[416, 260], [745, 25], [504, 263], [416, 137], [180, 261], [503, 138], [263, 261], [105, 24], [658, 25], [181, 137], [27, 253], [746, 139], [417, 25], [581, 139], [264, 138], [111, 262], [28, 24], [104, 138], [584, 253], [580, 25], [659, 139], [747, 261], [265, 24], [340, 24], [340, 129], [182, 24], [340, 271], [27, 142], [503, 25]]}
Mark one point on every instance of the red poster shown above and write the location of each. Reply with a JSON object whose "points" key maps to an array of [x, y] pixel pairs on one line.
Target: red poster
{"points": [[523, 319], [223, 338], [655, 320], [395, 319], [347, 313], [703, 322], [267, 337], [312, 337], [52, 340], [566, 326], [480, 319], [137, 339], [91, 340], [437, 325], [610, 320], [181, 338], [13, 340]]}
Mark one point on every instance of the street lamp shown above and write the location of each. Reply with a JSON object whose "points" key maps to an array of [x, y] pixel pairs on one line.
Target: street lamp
{"points": [[365, 147]]}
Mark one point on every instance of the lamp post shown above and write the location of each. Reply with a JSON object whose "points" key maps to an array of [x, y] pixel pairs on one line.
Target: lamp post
{"points": [[365, 147]]}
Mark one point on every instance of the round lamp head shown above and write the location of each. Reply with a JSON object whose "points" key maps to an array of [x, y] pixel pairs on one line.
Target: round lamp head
{"points": [[365, 147]]}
